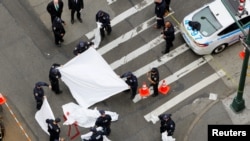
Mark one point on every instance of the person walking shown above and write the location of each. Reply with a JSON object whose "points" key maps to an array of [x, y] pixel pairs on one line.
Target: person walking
{"points": [[160, 7], [58, 31], [76, 6], [153, 77], [96, 135], [54, 76], [104, 121], [104, 19], [167, 124], [54, 129], [132, 82], [81, 47], [55, 9], [168, 35], [39, 93]]}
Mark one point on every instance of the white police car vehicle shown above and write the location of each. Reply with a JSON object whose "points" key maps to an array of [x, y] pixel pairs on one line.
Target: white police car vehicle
{"points": [[211, 28]]}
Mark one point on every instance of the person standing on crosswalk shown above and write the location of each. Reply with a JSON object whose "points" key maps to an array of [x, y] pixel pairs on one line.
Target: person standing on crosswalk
{"points": [[132, 82], [168, 35], [55, 9], [153, 77], [76, 6], [103, 18], [160, 7]]}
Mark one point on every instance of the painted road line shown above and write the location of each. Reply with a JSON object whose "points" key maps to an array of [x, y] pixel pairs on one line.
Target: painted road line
{"points": [[180, 73], [136, 53], [153, 116], [125, 15], [164, 59], [111, 1], [125, 37]]}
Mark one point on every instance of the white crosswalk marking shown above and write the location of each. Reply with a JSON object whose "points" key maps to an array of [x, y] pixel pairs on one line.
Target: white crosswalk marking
{"points": [[136, 53], [125, 15], [153, 115], [182, 72], [111, 1]]}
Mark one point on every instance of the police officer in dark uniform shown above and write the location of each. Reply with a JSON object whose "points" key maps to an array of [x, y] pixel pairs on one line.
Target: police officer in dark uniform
{"points": [[58, 30], [160, 6], [167, 124], [39, 93], [96, 136], [81, 47], [131, 80], [104, 18], [54, 129], [153, 77], [54, 76], [55, 9], [168, 35], [104, 121]]}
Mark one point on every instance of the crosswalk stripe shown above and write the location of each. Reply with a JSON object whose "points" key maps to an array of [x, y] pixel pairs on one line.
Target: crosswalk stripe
{"points": [[125, 15], [162, 60], [153, 115], [180, 73], [139, 51], [111, 1]]}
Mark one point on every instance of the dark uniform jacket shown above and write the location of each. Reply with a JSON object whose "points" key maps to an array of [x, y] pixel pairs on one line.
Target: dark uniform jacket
{"points": [[160, 8], [57, 27], [155, 77], [169, 33], [96, 136], [52, 10], [104, 19], [54, 73], [53, 129], [81, 47], [168, 126], [76, 6], [131, 81], [39, 92], [103, 121]]}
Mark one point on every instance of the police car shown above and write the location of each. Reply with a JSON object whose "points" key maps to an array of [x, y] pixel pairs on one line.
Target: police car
{"points": [[211, 28]]}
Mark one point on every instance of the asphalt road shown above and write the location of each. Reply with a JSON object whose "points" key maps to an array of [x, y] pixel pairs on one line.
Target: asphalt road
{"points": [[27, 51]]}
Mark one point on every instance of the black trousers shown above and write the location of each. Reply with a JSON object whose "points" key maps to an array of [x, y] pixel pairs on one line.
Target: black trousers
{"points": [[133, 92], [169, 44], [39, 104], [58, 38], [160, 22], [78, 14], [155, 88], [55, 86], [107, 28]]}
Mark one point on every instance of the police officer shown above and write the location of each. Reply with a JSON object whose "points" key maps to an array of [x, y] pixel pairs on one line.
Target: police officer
{"points": [[153, 77], [160, 6], [54, 129], [104, 18], [81, 47], [96, 135], [167, 124], [131, 80], [104, 121], [54, 76], [58, 30], [55, 9], [168, 35], [39, 93]]}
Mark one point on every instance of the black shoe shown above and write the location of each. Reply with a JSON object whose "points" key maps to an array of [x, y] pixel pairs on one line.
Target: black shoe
{"points": [[59, 92], [62, 40], [154, 95], [163, 52], [80, 20], [58, 45], [72, 21]]}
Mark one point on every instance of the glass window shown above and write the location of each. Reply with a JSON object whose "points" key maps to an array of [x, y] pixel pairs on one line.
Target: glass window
{"points": [[209, 23]]}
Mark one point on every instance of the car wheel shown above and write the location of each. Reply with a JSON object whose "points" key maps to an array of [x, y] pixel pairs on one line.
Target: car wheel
{"points": [[219, 49]]}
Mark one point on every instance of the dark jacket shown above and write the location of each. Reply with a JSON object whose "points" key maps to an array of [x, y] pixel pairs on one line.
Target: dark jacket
{"points": [[53, 129], [52, 10], [81, 47], [38, 91], [54, 73], [131, 80], [103, 17], [76, 6], [169, 33], [96, 136], [57, 27], [167, 125], [103, 121], [160, 8]]}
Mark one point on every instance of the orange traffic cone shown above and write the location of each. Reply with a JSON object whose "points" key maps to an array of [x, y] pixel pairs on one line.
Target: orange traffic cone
{"points": [[144, 91], [242, 54], [2, 99], [164, 88]]}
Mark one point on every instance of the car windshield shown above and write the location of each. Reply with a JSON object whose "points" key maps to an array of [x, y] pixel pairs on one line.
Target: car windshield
{"points": [[209, 24]]}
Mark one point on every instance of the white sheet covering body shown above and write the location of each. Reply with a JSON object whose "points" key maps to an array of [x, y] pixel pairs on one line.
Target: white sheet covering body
{"points": [[97, 39], [90, 79], [44, 113], [83, 117]]}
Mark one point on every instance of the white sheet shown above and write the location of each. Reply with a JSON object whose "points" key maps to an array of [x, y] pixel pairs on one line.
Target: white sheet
{"points": [[84, 117], [97, 39], [44, 113], [90, 79]]}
